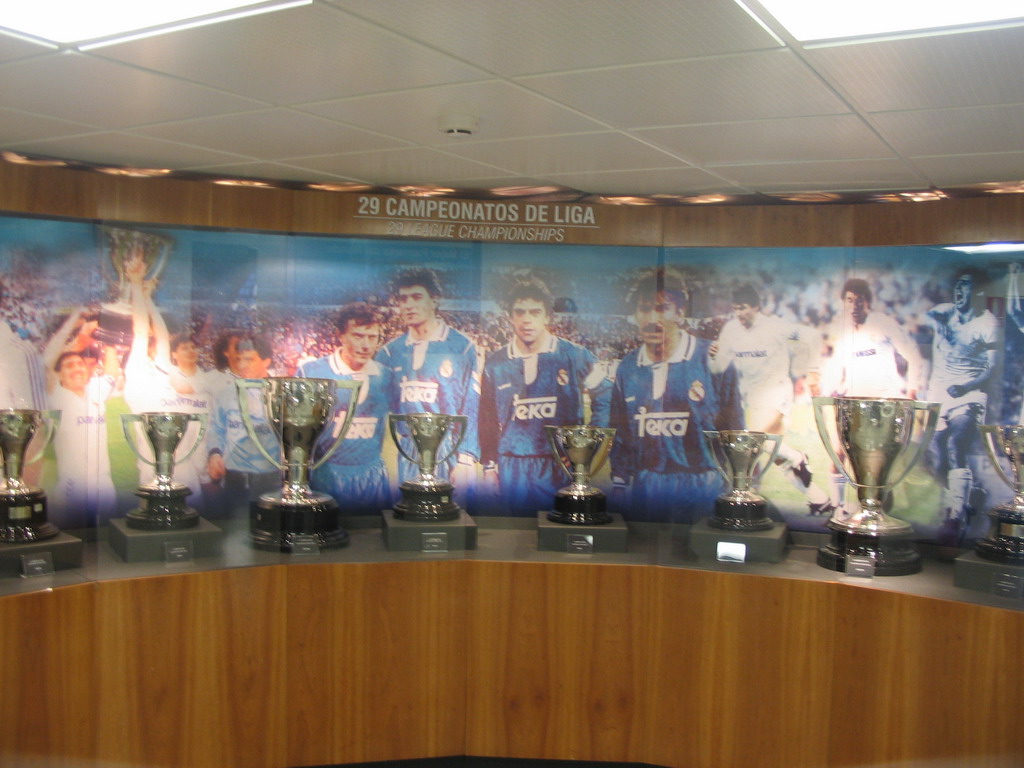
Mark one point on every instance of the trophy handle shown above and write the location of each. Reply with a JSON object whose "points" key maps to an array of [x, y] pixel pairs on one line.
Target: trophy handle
{"points": [[204, 421], [463, 422], [394, 418], [52, 420], [129, 435], [244, 385], [560, 460], [989, 433], [777, 441], [710, 436], [353, 399], [601, 456], [929, 429], [826, 438]]}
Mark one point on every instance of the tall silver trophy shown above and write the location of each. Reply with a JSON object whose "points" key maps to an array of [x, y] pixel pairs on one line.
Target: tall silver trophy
{"points": [[22, 507], [298, 411], [580, 450], [1005, 542], [874, 434], [163, 500], [123, 247], [737, 453], [427, 498]]}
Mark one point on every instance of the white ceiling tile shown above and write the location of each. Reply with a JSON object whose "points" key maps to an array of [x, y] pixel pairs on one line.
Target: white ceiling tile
{"points": [[270, 134], [667, 181], [929, 72], [12, 48], [504, 111], [745, 87], [585, 152], [85, 89], [823, 174], [398, 166], [309, 53], [968, 169], [965, 130], [826, 137], [532, 36], [123, 149], [22, 126]]}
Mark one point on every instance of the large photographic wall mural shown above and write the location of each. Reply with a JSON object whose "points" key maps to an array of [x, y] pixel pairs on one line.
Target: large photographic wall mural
{"points": [[102, 319]]}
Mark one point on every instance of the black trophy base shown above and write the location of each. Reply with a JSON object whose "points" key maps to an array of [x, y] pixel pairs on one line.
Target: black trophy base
{"points": [[416, 536], [296, 528], [23, 518], [135, 545], [894, 554], [1006, 542], [612, 536], [427, 505], [982, 575], [64, 550], [162, 511], [741, 515], [570, 509], [760, 546]]}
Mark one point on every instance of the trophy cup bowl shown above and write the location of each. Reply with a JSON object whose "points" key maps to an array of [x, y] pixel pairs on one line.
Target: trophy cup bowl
{"points": [[22, 507], [736, 452], [427, 498], [585, 449], [1005, 542], [123, 245], [298, 411], [875, 436], [163, 500]]}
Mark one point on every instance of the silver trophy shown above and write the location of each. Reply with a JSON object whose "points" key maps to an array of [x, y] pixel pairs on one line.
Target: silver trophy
{"points": [[1005, 542], [124, 246], [427, 498], [580, 450], [22, 507], [163, 506], [874, 434], [298, 411], [736, 453]]}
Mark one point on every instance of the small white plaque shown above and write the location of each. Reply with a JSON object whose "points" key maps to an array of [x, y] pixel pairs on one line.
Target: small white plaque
{"points": [[579, 543], [731, 552], [860, 566]]}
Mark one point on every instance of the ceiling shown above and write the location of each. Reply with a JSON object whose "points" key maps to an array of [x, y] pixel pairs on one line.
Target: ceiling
{"points": [[608, 97]]}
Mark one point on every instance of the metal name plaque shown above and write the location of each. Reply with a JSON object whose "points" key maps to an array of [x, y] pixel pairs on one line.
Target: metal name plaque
{"points": [[434, 542], [731, 552], [579, 543], [1007, 585], [39, 564], [861, 567], [178, 551], [305, 544]]}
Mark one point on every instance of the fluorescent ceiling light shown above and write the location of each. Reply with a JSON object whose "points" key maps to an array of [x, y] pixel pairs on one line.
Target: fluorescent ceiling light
{"points": [[67, 22], [988, 248], [833, 19]]}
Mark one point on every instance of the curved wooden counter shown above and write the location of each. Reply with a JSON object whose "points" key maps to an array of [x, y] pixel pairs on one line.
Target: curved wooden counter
{"points": [[320, 664]]}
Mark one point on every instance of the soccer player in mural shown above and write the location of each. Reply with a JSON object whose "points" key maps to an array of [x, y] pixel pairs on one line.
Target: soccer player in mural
{"points": [[355, 475], [232, 455], [84, 493], [767, 352], [436, 369], [871, 356], [963, 359], [665, 395], [536, 379]]}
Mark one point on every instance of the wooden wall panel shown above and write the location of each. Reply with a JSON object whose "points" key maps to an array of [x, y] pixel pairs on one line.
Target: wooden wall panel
{"points": [[191, 670], [769, 226], [48, 680], [1000, 217], [163, 201]]}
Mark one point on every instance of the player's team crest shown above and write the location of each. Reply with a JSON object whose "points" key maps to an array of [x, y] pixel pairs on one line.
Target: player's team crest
{"points": [[563, 377], [446, 369], [697, 391]]}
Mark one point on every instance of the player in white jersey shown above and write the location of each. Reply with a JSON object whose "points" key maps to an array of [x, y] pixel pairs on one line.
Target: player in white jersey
{"points": [[767, 352], [872, 356], [84, 494], [963, 358]]}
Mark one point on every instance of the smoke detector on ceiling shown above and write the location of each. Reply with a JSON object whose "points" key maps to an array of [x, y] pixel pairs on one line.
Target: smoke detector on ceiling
{"points": [[458, 124]]}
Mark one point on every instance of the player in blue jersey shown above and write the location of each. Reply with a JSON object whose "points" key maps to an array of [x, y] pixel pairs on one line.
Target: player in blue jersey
{"points": [[535, 380], [436, 370], [664, 397], [233, 455], [355, 474]]}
